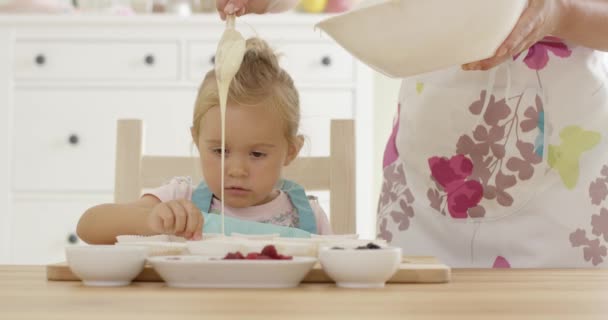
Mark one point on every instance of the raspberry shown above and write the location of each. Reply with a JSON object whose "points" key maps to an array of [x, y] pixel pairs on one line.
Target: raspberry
{"points": [[234, 256], [282, 257], [252, 256], [263, 257], [270, 251]]}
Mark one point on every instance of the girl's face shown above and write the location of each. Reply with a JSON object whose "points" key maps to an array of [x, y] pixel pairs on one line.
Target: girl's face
{"points": [[256, 151]]}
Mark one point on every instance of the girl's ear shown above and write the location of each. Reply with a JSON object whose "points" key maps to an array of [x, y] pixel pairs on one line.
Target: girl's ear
{"points": [[294, 149]]}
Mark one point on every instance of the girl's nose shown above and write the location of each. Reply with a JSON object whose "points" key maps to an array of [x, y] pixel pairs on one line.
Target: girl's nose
{"points": [[236, 167]]}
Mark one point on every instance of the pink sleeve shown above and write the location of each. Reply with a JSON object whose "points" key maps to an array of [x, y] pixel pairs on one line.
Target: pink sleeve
{"points": [[323, 226], [177, 188]]}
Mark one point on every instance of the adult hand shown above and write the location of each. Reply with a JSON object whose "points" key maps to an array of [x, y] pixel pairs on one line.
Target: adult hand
{"points": [[539, 19], [241, 7]]}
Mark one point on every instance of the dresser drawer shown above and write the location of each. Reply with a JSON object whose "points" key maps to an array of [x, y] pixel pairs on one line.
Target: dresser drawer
{"points": [[42, 228], [201, 59], [96, 60], [65, 140], [314, 62], [317, 62]]}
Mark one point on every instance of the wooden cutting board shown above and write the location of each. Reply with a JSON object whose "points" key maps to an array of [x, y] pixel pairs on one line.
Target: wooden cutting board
{"points": [[412, 270]]}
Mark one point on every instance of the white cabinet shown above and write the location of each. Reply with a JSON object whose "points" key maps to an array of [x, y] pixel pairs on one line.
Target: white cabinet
{"points": [[96, 60], [45, 225], [65, 80], [65, 137]]}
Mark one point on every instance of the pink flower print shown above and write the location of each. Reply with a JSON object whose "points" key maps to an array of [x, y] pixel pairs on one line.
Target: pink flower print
{"points": [[490, 140], [477, 152], [477, 212], [578, 238], [402, 217], [535, 120], [387, 195], [538, 54], [435, 198], [390, 152], [495, 112], [498, 192], [600, 224], [524, 166], [501, 263], [533, 115], [592, 250], [384, 233], [451, 174], [598, 191]]}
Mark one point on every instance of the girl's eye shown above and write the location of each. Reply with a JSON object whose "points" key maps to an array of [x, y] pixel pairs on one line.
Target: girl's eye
{"points": [[218, 151], [256, 154]]}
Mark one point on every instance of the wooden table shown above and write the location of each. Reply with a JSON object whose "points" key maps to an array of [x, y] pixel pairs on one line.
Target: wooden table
{"points": [[472, 294]]}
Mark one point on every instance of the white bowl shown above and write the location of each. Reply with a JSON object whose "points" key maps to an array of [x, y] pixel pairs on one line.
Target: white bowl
{"points": [[209, 272], [215, 247], [255, 236], [350, 243], [106, 265], [351, 268], [409, 37], [296, 249]]}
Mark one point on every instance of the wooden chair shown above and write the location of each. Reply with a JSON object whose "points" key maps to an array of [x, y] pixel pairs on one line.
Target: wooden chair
{"points": [[336, 173]]}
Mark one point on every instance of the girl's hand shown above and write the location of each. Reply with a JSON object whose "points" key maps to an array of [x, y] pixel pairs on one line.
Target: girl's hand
{"points": [[541, 18], [177, 217]]}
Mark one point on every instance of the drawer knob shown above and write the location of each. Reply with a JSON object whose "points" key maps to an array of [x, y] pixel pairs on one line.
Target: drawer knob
{"points": [[326, 61], [149, 59], [212, 59], [72, 238], [73, 139], [40, 59]]}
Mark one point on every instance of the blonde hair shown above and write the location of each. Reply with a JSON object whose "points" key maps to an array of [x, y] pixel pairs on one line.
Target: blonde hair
{"points": [[259, 81]]}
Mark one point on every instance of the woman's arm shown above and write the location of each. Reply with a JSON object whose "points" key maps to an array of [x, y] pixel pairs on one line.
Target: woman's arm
{"points": [[241, 7], [584, 22]]}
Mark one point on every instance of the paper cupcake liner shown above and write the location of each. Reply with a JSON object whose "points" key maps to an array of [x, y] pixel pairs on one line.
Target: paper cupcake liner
{"points": [[160, 248], [154, 238]]}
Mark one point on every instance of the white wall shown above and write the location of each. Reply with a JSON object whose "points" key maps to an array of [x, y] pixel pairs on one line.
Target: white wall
{"points": [[386, 93]]}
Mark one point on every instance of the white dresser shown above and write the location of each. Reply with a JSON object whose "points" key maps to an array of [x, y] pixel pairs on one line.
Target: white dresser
{"points": [[65, 80]]}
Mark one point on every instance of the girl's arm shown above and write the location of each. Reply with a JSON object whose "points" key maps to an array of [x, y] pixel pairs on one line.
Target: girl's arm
{"points": [[101, 224], [144, 217]]}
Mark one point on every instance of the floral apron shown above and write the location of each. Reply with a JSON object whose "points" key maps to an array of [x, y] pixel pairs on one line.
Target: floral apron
{"points": [[504, 168]]}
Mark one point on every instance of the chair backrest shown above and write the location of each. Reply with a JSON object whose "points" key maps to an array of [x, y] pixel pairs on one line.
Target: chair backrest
{"points": [[336, 173]]}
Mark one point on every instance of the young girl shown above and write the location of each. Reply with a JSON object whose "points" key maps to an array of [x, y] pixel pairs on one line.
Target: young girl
{"points": [[262, 119]]}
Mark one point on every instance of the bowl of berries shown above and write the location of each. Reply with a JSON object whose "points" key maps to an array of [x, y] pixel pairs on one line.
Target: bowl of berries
{"points": [[366, 266], [265, 269]]}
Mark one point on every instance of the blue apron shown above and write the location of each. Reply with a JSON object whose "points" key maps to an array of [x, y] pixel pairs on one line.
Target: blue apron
{"points": [[202, 197]]}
